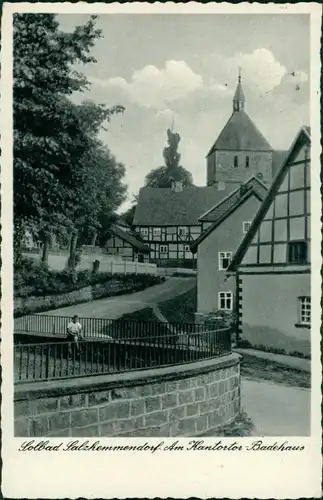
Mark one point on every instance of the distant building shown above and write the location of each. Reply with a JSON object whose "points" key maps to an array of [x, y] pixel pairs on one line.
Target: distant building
{"points": [[224, 227], [127, 244], [241, 150], [273, 261], [168, 220]]}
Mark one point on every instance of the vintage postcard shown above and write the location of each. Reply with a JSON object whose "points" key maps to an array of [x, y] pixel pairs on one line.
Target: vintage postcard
{"points": [[160, 271]]}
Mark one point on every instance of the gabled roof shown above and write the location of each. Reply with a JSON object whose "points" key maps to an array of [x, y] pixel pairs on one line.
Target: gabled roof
{"points": [[220, 208], [304, 135], [165, 207], [227, 206], [240, 134], [131, 237]]}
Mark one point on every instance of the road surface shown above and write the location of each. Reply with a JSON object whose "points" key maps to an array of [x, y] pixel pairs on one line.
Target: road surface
{"points": [[276, 409]]}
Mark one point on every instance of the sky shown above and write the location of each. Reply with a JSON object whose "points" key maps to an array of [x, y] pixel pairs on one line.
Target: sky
{"points": [[182, 69]]}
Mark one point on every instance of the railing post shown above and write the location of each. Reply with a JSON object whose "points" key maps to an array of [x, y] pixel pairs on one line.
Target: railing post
{"points": [[47, 362]]}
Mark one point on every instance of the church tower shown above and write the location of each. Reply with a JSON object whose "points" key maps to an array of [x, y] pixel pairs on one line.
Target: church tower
{"points": [[241, 150]]}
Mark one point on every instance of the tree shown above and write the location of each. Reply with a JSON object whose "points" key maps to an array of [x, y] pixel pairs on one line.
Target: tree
{"points": [[99, 192], [52, 135], [129, 214], [163, 176]]}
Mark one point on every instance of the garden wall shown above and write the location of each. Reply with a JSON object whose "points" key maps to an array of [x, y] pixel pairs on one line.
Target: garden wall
{"points": [[184, 400], [32, 304]]}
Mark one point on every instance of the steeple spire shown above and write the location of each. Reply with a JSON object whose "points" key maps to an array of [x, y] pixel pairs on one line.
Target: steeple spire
{"points": [[238, 99]]}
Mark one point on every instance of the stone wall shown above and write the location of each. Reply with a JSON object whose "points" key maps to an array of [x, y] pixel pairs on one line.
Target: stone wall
{"points": [[32, 304], [183, 400]]}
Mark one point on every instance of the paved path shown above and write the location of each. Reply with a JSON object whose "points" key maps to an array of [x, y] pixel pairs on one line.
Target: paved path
{"points": [[281, 359], [276, 409], [114, 307]]}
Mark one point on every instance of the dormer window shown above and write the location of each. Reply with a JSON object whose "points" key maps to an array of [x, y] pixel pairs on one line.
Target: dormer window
{"points": [[247, 161], [235, 161]]}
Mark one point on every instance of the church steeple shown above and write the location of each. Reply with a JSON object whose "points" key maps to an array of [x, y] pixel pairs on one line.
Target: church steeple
{"points": [[238, 99]]}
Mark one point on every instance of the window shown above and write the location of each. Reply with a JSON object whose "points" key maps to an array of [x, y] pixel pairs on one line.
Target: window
{"points": [[235, 161], [187, 248], [144, 231], [224, 260], [163, 249], [156, 231], [297, 252], [246, 226], [247, 161], [182, 231], [225, 301], [305, 310]]}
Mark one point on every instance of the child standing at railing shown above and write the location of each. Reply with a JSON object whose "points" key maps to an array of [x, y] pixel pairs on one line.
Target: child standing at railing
{"points": [[74, 334]]}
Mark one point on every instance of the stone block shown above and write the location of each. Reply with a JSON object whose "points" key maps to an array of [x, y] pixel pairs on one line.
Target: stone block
{"points": [[21, 409], [184, 383], [175, 414], [113, 411], [192, 409], [46, 405], [152, 404], [215, 419], [157, 388], [59, 420], [89, 431], [156, 431], [199, 394], [72, 401], [213, 390], [21, 427], [201, 424], [137, 407], [129, 424], [80, 418], [98, 398], [106, 429], [171, 386], [169, 400], [185, 397], [123, 393], [221, 388], [38, 426], [156, 418]]}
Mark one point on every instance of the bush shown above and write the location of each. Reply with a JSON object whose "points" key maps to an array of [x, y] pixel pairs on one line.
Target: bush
{"points": [[32, 278]]}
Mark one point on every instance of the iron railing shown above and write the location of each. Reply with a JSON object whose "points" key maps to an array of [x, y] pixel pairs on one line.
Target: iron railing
{"points": [[57, 360], [100, 328]]}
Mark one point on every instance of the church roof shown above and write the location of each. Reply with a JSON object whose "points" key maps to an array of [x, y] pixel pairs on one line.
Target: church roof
{"points": [[240, 134], [165, 207], [239, 95]]}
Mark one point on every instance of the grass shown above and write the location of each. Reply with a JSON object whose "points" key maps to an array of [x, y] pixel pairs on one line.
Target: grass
{"points": [[180, 309], [262, 369], [242, 426]]}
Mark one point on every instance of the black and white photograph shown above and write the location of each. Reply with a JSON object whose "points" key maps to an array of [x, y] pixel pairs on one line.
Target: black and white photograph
{"points": [[162, 173]]}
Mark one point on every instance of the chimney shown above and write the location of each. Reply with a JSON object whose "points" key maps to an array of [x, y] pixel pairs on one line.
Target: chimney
{"points": [[177, 186], [221, 186]]}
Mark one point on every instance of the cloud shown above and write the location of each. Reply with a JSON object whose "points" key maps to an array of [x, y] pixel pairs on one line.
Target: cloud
{"points": [[154, 88]]}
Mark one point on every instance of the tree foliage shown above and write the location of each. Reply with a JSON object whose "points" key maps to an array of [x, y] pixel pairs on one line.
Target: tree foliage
{"points": [[63, 175], [162, 177]]}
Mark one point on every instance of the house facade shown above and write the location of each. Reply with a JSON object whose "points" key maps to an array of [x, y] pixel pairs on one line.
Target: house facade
{"points": [[168, 220], [273, 262], [125, 243], [225, 225]]}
